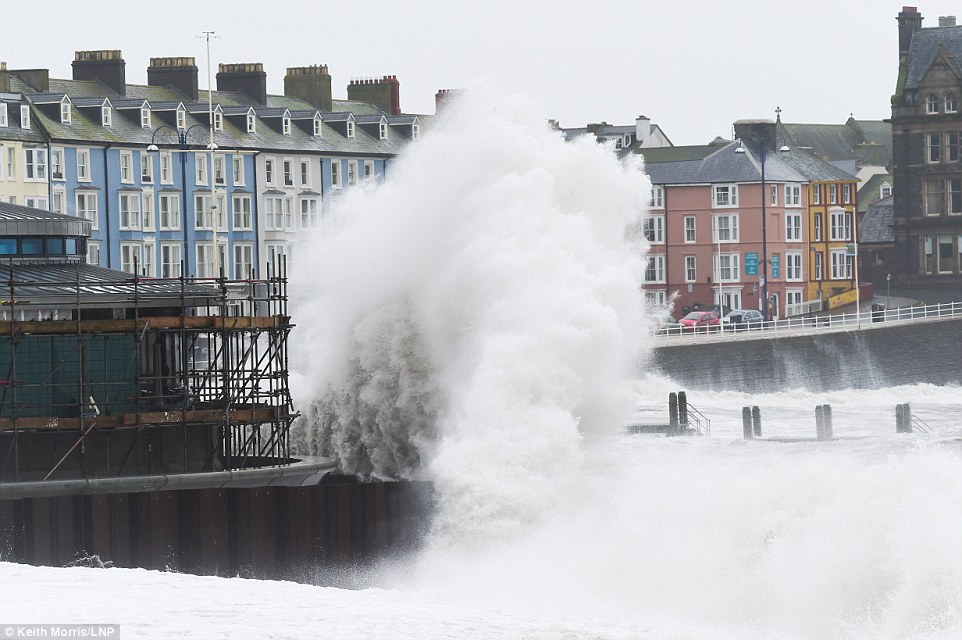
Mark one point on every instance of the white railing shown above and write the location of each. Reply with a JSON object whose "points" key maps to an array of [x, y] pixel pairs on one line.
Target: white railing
{"points": [[802, 325]]}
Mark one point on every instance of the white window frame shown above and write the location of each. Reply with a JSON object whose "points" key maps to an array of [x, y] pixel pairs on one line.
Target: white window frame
{"points": [[951, 102], [127, 167], [724, 195], [56, 163], [730, 228], [833, 194], [170, 260], [181, 118], [310, 212], [933, 147], [251, 123], [286, 125], [691, 268], [145, 117], [819, 265], [66, 111], [305, 173], [657, 197], [83, 165], [840, 225], [270, 172], [200, 169], [4, 118], [350, 130], [129, 211], [654, 227], [146, 168], [690, 238], [106, 115], [382, 131], [129, 251], [237, 170], [368, 170], [655, 269], [93, 252], [218, 120], [148, 266], [793, 195], [36, 202], [931, 104], [24, 116], [841, 265], [34, 164], [59, 203], [85, 207], [337, 181], [846, 194], [773, 195], [147, 211], [318, 129], [11, 162], [243, 259], [730, 268], [793, 226], [220, 169], [168, 212], [166, 167], [793, 266], [242, 212], [287, 165], [351, 173]]}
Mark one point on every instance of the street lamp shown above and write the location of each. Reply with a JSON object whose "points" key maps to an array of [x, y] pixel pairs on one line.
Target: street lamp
{"points": [[762, 156], [183, 145]]}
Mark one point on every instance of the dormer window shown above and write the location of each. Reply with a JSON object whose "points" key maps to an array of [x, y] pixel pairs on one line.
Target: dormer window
{"points": [[3, 115], [317, 127], [145, 117], [885, 190], [251, 127], [218, 121], [951, 103], [181, 118], [383, 131], [24, 116], [415, 131], [286, 125], [65, 111], [932, 104], [106, 115], [350, 128]]}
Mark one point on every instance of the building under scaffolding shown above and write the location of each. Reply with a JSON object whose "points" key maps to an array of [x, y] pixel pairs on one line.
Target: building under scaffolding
{"points": [[108, 375]]}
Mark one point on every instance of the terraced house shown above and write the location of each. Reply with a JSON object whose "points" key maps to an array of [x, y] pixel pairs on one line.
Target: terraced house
{"points": [[721, 212], [175, 180]]}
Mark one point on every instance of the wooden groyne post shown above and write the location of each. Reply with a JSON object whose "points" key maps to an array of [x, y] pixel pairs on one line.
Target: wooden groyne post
{"points": [[823, 422]]}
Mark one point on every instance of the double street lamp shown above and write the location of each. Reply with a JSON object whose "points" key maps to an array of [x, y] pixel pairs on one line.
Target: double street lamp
{"points": [[762, 156], [184, 146]]}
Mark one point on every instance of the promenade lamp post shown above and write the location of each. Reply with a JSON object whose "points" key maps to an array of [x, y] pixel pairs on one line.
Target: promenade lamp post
{"points": [[762, 156], [184, 147]]}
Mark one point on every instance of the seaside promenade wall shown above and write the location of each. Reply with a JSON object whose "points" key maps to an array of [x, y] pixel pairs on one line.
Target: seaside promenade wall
{"points": [[874, 356]]}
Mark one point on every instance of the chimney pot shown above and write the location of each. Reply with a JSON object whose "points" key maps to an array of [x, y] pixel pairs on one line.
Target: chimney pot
{"points": [[946, 21], [104, 65], [177, 72]]}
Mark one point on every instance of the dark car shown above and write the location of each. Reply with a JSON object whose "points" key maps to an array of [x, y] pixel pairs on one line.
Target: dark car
{"points": [[700, 321], [741, 319]]}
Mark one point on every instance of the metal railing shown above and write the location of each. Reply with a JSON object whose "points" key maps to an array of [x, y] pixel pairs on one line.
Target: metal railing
{"points": [[803, 325]]}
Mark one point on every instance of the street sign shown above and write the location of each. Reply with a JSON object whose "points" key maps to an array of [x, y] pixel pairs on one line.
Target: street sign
{"points": [[775, 267], [751, 264]]}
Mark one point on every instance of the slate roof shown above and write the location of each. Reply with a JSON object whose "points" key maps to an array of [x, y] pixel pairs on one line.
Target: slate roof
{"points": [[876, 225], [925, 47], [853, 144], [13, 131], [19, 220], [869, 191], [710, 164], [86, 125]]}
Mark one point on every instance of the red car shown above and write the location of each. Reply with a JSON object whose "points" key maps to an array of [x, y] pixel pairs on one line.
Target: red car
{"points": [[700, 321]]}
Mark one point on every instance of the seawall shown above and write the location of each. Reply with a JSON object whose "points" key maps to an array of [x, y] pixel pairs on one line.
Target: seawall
{"points": [[873, 356]]}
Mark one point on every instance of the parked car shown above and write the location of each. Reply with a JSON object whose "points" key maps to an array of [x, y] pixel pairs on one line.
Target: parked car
{"points": [[741, 319], [666, 324], [700, 321]]}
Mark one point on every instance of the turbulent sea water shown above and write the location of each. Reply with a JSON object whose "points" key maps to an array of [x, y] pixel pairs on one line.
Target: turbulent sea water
{"points": [[476, 321]]}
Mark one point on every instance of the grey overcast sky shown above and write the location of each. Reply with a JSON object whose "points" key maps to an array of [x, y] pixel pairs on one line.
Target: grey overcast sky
{"points": [[692, 66]]}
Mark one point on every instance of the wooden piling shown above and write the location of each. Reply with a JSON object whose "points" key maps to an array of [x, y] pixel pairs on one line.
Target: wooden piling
{"points": [[747, 423], [672, 413], [828, 429], [757, 421], [900, 418], [683, 411], [820, 422]]}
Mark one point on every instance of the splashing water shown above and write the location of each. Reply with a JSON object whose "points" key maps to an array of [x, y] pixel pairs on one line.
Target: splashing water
{"points": [[471, 317], [469, 321]]}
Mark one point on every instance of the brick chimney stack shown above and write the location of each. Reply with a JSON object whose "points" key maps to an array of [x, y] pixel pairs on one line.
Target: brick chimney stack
{"points": [[179, 73], [756, 132], [444, 97], [384, 93], [312, 84], [105, 65], [910, 21], [4, 78], [247, 77]]}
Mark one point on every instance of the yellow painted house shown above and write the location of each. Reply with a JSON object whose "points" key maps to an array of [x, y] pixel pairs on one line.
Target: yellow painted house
{"points": [[832, 233]]}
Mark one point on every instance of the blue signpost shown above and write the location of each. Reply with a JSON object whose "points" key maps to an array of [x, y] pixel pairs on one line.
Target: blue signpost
{"points": [[751, 264], [775, 266]]}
